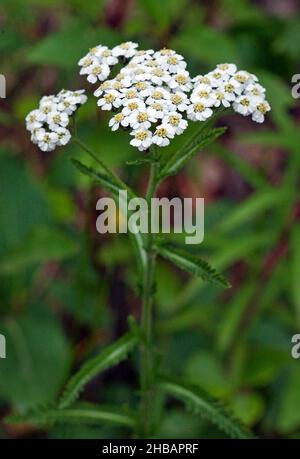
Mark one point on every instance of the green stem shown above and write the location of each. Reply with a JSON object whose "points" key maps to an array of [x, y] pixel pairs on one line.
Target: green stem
{"points": [[147, 364]]}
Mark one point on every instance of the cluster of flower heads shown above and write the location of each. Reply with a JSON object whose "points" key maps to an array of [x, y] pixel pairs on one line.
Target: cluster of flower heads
{"points": [[48, 124], [226, 86], [149, 94], [153, 96]]}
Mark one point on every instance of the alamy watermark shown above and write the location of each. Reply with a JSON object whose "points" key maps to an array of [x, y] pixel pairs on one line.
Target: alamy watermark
{"points": [[296, 348], [2, 86], [296, 87], [2, 347], [161, 215]]}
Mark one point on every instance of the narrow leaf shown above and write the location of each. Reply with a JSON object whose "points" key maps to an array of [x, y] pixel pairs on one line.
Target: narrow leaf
{"points": [[199, 402], [109, 357], [139, 161], [191, 263], [202, 140], [89, 414], [114, 187]]}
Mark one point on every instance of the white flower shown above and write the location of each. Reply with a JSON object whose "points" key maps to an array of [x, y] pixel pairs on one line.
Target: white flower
{"points": [[217, 77], [96, 72], [142, 56], [179, 101], [244, 77], [260, 110], [103, 87], [243, 105], [47, 141], [127, 49], [221, 98], [198, 112], [159, 108], [46, 107], [132, 106], [142, 139], [57, 119], [159, 76], [158, 95], [143, 88], [142, 119], [201, 79], [110, 99], [64, 136], [173, 63], [204, 94], [181, 81], [34, 120], [255, 91], [227, 68], [176, 121], [164, 132], [106, 56], [117, 120]]}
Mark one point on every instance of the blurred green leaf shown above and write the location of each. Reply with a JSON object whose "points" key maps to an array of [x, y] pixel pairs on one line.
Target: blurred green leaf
{"points": [[41, 246], [74, 41], [37, 362]]}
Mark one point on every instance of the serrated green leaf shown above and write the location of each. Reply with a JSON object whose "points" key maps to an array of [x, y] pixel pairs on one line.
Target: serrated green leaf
{"points": [[109, 357], [87, 414], [191, 263], [206, 406], [200, 141]]}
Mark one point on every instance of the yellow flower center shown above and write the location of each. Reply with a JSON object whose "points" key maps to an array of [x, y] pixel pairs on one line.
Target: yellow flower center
{"points": [[56, 119], [199, 108], [181, 79], [119, 117], [263, 108], [97, 70], [157, 95], [174, 120], [142, 117], [245, 102], [176, 99], [172, 60], [131, 94], [133, 106], [141, 135], [229, 87], [162, 132], [204, 94], [109, 98]]}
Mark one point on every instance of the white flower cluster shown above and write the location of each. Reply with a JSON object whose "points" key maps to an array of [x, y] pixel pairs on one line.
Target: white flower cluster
{"points": [[149, 93], [48, 124], [152, 95], [97, 62], [227, 86]]}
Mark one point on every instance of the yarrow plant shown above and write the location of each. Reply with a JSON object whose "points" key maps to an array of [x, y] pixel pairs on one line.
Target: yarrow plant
{"points": [[153, 96]]}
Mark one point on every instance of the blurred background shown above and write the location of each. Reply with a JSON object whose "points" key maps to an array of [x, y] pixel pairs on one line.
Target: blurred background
{"points": [[66, 291]]}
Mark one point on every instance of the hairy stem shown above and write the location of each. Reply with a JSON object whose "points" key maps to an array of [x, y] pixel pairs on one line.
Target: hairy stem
{"points": [[147, 363]]}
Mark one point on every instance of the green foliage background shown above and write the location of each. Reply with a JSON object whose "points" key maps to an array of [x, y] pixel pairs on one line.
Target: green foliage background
{"points": [[65, 292]]}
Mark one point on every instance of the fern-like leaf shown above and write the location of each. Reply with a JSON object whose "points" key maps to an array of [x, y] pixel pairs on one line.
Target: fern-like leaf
{"points": [[199, 402], [109, 357], [87, 414], [190, 263]]}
